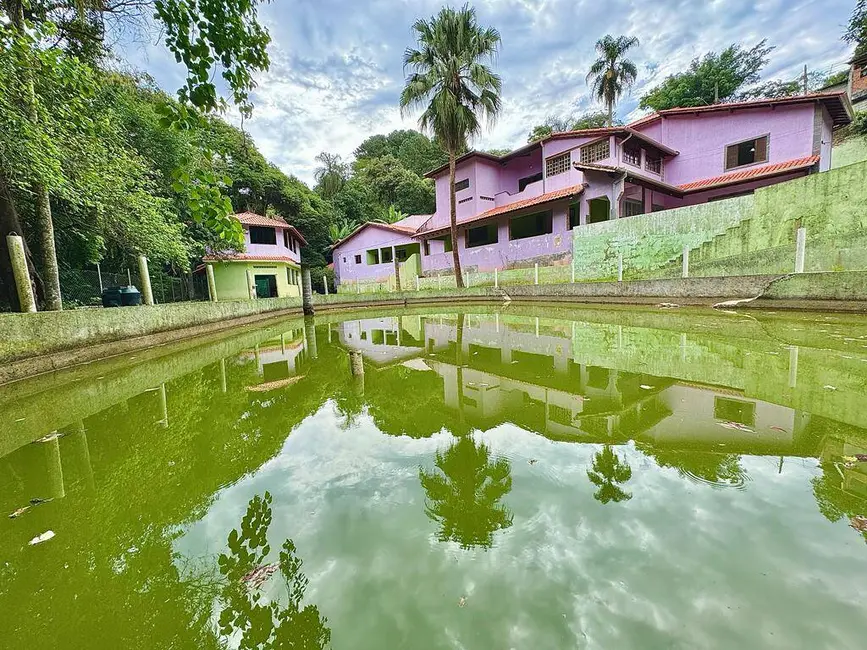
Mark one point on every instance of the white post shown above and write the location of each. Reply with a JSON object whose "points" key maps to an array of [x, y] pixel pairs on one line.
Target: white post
{"points": [[358, 286], [469, 279], [537, 327], [793, 366], [147, 292], [416, 283], [572, 264], [686, 261], [439, 282], [99, 277], [536, 272], [128, 277], [325, 284], [18, 258], [496, 279], [212, 284], [251, 285], [620, 267], [800, 250]]}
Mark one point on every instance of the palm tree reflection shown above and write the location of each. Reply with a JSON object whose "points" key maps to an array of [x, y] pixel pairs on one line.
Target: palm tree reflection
{"points": [[257, 624], [463, 496], [608, 470]]}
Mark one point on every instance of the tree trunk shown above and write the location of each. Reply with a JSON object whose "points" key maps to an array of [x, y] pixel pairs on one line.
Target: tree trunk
{"points": [[610, 114], [453, 215], [45, 228]]}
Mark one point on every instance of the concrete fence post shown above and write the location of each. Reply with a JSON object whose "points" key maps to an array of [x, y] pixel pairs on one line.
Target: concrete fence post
{"points": [[146, 289], [128, 277], [99, 277], [416, 283], [536, 273], [685, 272], [396, 272], [306, 292], [469, 279], [439, 282], [800, 250], [620, 267], [212, 284], [18, 258], [325, 284], [572, 267], [251, 285], [496, 279]]}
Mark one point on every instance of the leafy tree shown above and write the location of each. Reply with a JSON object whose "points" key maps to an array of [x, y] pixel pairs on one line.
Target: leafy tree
{"points": [[612, 74], [836, 78], [459, 90], [330, 175], [415, 151], [498, 152], [594, 120], [778, 88], [339, 230], [553, 124], [393, 215], [856, 29], [711, 78], [258, 624], [608, 470], [393, 184], [463, 496]]}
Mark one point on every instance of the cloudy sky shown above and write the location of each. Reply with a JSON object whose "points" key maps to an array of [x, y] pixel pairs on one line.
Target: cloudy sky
{"points": [[336, 70]]}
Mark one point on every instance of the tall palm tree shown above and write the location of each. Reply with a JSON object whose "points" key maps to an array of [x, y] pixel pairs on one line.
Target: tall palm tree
{"points": [[449, 76], [331, 175], [608, 470], [612, 74], [339, 230], [464, 495]]}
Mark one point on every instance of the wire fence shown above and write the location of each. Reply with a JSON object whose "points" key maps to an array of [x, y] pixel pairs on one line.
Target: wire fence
{"points": [[84, 287]]}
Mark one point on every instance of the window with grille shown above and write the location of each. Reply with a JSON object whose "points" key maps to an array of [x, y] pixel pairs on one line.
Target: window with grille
{"points": [[557, 164], [748, 152], [462, 185], [592, 153], [653, 164], [632, 155]]}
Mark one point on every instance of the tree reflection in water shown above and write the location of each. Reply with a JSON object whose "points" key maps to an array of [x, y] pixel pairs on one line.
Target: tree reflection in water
{"points": [[258, 623], [608, 470], [463, 496]]}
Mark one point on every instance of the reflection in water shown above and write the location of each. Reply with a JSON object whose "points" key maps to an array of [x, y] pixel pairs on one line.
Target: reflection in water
{"points": [[463, 497], [717, 470], [259, 623], [609, 470]]}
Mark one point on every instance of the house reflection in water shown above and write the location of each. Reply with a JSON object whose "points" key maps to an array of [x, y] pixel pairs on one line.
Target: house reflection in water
{"points": [[534, 374], [279, 361]]}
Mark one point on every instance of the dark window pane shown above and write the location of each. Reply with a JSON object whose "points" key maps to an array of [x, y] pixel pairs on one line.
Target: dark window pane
{"points": [[259, 235]]}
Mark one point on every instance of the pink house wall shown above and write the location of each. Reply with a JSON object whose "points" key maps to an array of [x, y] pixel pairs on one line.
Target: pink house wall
{"points": [[268, 249], [347, 269], [701, 140]]}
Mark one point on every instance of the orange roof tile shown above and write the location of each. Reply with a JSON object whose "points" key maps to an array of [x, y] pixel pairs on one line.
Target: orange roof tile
{"points": [[394, 227], [753, 173], [247, 257], [511, 207]]}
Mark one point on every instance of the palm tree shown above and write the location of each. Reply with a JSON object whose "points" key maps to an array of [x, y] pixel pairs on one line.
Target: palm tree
{"points": [[450, 77], [393, 215], [611, 74], [608, 471], [331, 175], [339, 230], [464, 495]]}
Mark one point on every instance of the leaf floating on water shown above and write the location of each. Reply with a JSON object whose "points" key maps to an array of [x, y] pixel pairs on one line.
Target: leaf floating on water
{"points": [[829, 387], [859, 523], [646, 387], [36, 501], [48, 438], [19, 512], [532, 461], [44, 537], [258, 576], [780, 429], [737, 426]]}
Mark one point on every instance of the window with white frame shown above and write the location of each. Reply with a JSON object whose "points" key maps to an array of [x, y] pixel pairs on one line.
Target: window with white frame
{"points": [[557, 164], [592, 153]]}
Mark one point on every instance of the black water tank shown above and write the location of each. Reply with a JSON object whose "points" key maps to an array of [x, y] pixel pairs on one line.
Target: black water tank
{"points": [[111, 297], [130, 296]]}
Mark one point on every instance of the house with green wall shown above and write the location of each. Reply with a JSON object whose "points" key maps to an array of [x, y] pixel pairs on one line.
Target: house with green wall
{"points": [[269, 266]]}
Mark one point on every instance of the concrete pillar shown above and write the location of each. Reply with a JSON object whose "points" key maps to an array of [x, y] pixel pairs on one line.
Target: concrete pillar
{"points": [[18, 259], [537, 327], [306, 292], [356, 363], [536, 273], [572, 267], [800, 250], [212, 284], [325, 284], [223, 382], [164, 407], [147, 293], [620, 267], [683, 347], [793, 366], [685, 271], [77, 451], [396, 269], [99, 277], [416, 283], [251, 284], [310, 337], [53, 470], [496, 278]]}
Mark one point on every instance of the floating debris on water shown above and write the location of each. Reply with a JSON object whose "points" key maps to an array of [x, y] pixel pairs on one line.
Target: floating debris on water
{"points": [[462, 601], [736, 426], [44, 537], [532, 461], [19, 512], [54, 435], [859, 523], [258, 576]]}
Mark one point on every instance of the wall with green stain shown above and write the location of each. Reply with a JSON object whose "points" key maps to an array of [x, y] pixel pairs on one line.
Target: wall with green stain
{"points": [[745, 235]]}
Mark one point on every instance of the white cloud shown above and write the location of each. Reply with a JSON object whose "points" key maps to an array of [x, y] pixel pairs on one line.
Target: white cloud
{"points": [[336, 70]]}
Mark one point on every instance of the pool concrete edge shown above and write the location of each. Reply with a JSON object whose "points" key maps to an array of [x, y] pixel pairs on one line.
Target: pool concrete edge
{"points": [[31, 344]]}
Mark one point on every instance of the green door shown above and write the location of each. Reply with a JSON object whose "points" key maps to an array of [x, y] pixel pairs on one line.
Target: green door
{"points": [[266, 286]]}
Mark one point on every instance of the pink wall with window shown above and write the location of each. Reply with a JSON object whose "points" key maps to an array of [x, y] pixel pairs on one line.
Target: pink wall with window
{"points": [[701, 139], [348, 269], [278, 249]]}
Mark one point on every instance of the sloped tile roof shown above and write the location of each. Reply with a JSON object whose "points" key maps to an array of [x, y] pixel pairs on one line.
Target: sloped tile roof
{"points": [[753, 173], [247, 257], [510, 207], [253, 219], [397, 227]]}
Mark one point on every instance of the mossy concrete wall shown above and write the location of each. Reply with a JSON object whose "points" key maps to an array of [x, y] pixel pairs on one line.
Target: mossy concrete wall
{"points": [[26, 335], [739, 236]]}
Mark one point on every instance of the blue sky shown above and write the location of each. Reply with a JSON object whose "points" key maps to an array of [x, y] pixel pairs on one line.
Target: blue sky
{"points": [[336, 70]]}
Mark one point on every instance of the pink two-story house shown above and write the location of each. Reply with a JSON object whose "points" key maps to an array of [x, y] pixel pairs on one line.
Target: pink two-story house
{"points": [[519, 208]]}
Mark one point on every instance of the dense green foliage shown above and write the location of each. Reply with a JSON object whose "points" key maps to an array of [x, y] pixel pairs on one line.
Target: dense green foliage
{"points": [[856, 29], [554, 124]]}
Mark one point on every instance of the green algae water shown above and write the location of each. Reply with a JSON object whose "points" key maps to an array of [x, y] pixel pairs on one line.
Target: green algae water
{"points": [[521, 478]]}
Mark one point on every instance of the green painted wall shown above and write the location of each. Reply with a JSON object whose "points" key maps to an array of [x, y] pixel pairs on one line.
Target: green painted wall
{"points": [[849, 151], [231, 279], [746, 235]]}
